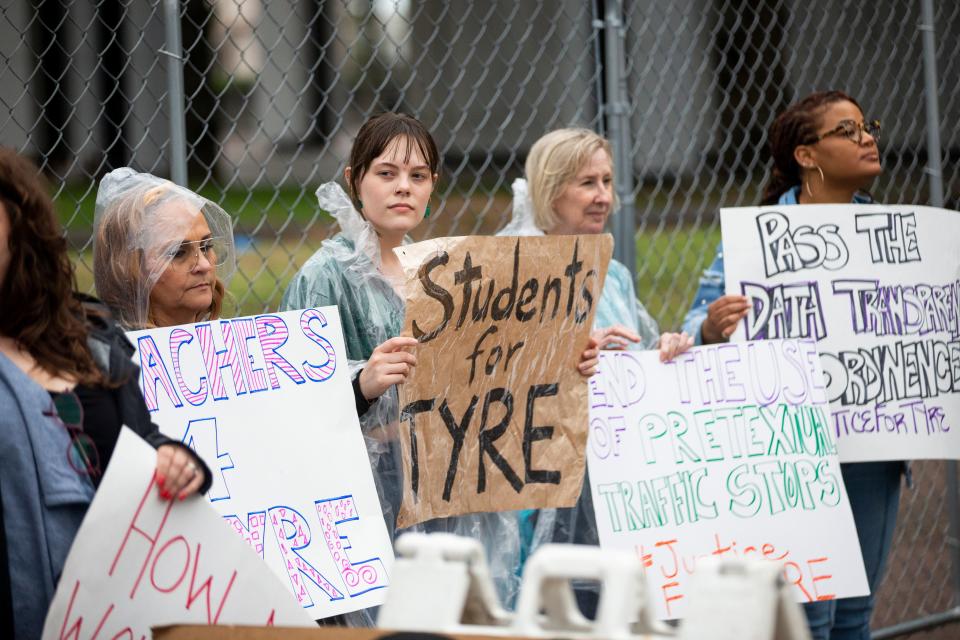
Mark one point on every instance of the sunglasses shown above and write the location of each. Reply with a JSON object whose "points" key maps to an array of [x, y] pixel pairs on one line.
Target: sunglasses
{"points": [[81, 452], [185, 256], [852, 131]]}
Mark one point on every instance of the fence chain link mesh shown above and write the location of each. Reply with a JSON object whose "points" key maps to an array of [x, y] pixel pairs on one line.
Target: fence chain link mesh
{"points": [[275, 91]]}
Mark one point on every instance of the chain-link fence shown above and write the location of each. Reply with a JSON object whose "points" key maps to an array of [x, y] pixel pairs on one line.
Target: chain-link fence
{"points": [[272, 93]]}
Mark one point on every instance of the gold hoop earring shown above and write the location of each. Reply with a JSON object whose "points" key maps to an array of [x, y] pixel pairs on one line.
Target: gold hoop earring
{"points": [[823, 180], [806, 180]]}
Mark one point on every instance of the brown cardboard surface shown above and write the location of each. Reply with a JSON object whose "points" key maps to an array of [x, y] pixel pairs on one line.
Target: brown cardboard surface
{"points": [[495, 415], [188, 632]]}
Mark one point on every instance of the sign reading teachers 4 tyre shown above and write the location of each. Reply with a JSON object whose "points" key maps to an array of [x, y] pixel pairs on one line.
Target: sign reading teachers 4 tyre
{"points": [[878, 288], [266, 402], [725, 451]]}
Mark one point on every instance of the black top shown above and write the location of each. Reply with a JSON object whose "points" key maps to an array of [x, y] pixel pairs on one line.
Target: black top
{"points": [[363, 405], [101, 421], [123, 403]]}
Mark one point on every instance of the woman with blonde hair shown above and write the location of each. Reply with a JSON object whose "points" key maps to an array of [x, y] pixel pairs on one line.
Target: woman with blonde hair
{"points": [[569, 190], [161, 252]]}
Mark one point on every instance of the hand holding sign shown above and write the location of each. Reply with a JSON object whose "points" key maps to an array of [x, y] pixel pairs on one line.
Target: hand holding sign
{"points": [[139, 561], [178, 477], [672, 345], [615, 337], [389, 364], [723, 314]]}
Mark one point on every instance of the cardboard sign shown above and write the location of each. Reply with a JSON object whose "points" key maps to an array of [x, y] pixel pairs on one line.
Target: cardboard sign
{"points": [[726, 451], [267, 402], [879, 288], [262, 633], [494, 417], [139, 561]]}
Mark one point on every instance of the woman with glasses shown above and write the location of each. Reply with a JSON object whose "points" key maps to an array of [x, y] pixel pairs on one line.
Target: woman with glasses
{"points": [[161, 252], [67, 384], [824, 152]]}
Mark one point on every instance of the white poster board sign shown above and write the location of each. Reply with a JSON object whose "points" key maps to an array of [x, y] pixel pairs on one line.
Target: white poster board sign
{"points": [[267, 402], [879, 288], [139, 561], [726, 451]]}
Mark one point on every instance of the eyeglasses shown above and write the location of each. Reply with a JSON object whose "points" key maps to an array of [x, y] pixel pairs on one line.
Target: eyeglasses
{"points": [[81, 452], [186, 256], [852, 131]]}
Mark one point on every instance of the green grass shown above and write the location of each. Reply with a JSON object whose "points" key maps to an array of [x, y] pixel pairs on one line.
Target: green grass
{"points": [[259, 210], [669, 264], [285, 226]]}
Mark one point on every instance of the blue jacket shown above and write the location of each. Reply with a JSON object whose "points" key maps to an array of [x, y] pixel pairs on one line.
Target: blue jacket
{"points": [[44, 499]]}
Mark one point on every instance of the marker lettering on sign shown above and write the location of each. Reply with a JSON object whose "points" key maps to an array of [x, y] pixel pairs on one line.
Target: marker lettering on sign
{"points": [[360, 576], [203, 436], [668, 564], [459, 425], [898, 310], [248, 350], [303, 551], [293, 535], [168, 560], [578, 301], [892, 237], [903, 370], [791, 310], [803, 247], [162, 567]]}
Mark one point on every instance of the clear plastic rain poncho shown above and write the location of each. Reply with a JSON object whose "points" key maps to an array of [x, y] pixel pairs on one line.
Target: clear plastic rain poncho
{"points": [[140, 225], [345, 272], [618, 305]]}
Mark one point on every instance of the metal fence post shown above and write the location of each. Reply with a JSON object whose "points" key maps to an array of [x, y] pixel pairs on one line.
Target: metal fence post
{"points": [[618, 129], [935, 179], [174, 52]]}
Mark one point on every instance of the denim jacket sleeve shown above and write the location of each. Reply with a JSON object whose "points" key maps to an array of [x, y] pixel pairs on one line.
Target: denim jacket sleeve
{"points": [[711, 288]]}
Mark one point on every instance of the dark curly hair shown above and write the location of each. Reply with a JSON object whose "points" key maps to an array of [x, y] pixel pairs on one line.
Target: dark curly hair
{"points": [[40, 310], [797, 125]]}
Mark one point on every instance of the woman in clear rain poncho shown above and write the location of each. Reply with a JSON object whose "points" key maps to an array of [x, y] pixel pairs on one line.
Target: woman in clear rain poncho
{"points": [[393, 168], [569, 190], [392, 171], [161, 252]]}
